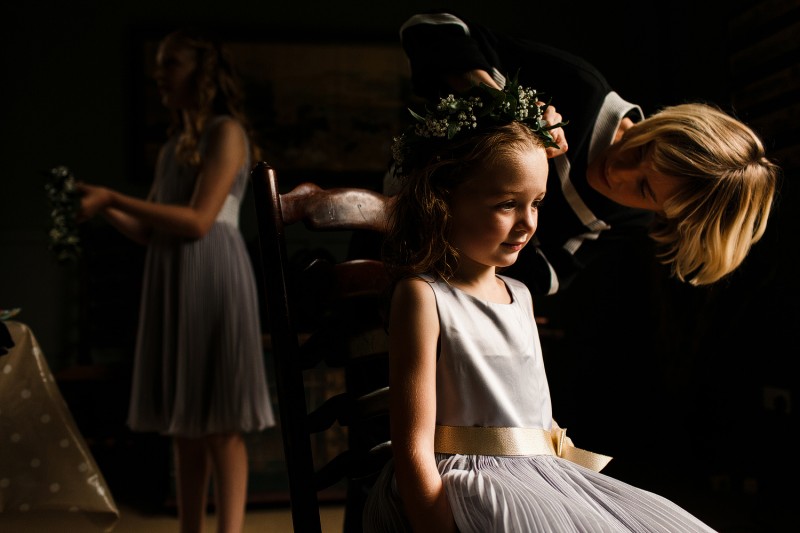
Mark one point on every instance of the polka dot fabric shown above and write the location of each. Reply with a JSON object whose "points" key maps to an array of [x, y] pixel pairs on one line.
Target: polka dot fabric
{"points": [[45, 465]]}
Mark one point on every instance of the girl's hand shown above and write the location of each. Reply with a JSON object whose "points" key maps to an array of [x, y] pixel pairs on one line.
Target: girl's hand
{"points": [[551, 116], [93, 200]]}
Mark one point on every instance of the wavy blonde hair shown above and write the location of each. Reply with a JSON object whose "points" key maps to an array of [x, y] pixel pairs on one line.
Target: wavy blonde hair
{"points": [[708, 228], [420, 221], [218, 91]]}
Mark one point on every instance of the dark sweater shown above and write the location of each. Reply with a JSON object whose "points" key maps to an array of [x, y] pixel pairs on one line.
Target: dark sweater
{"points": [[576, 223]]}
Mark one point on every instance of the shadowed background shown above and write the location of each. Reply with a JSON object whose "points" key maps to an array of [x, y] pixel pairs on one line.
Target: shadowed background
{"points": [[684, 386]]}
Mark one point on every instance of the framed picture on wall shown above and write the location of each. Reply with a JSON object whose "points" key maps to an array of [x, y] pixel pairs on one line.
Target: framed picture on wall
{"points": [[323, 110]]}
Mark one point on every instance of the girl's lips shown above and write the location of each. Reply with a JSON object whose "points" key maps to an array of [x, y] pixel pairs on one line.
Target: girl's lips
{"points": [[515, 246]]}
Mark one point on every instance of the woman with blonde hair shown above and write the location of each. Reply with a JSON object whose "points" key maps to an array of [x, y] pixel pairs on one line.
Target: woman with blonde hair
{"points": [[694, 178], [724, 187]]}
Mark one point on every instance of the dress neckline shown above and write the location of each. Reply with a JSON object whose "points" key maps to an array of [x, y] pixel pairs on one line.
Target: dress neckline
{"points": [[487, 302]]}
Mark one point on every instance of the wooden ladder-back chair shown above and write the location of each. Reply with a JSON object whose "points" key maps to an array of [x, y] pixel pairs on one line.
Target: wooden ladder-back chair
{"points": [[347, 333]]}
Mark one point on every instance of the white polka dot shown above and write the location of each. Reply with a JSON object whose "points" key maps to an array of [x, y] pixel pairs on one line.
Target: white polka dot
{"points": [[24, 507], [7, 369], [83, 467], [101, 491], [16, 437], [35, 463], [45, 418], [26, 393], [4, 483], [55, 487], [36, 351], [64, 443]]}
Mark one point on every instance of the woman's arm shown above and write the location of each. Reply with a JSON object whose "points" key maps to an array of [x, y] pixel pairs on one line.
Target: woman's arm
{"points": [[441, 47], [129, 226], [413, 338], [224, 156]]}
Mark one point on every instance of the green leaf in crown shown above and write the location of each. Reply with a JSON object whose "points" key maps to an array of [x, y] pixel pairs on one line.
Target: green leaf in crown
{"points": [[482, 105]]}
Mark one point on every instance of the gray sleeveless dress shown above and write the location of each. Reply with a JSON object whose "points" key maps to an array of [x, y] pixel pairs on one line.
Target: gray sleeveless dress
{"points": [[199, 365], [490, 373]]}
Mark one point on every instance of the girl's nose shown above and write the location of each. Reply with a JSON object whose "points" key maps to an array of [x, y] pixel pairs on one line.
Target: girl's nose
{"points": [[528, 220]]}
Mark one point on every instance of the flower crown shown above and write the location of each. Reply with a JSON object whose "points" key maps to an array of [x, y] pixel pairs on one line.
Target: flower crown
{"points": [[481, 106]]}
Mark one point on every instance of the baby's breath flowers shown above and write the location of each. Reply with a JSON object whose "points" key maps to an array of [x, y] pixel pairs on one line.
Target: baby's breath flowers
{"points": [[482, 106], [64, 203], [452, 115]]}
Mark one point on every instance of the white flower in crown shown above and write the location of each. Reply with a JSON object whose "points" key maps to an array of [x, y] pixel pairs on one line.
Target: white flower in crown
{"points": [[453, 115]]}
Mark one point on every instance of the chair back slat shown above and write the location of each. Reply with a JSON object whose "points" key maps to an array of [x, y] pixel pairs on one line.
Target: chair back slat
{"points": [[347, 333]]}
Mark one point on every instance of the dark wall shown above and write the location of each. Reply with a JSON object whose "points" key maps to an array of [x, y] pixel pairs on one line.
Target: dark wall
{"points": [[70, 71], [640, 349]]}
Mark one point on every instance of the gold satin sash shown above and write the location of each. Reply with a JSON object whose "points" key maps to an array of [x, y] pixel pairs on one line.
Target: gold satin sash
{"points": [[474, 440]]}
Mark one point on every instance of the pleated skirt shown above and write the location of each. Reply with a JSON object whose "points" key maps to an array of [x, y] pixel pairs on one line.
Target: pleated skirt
{"points": [[199, 362], [490, 494]]}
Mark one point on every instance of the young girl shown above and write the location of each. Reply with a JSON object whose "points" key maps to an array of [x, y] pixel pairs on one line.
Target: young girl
{"points": [[475, 447], [199, 370]]}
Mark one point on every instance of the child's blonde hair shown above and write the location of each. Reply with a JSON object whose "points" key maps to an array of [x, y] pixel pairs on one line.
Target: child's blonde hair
{"points": [[706, 229]]}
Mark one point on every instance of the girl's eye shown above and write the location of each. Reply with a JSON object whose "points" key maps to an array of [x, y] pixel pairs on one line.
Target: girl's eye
{"points": [[537, 204], [507, 206], [646, 192]]}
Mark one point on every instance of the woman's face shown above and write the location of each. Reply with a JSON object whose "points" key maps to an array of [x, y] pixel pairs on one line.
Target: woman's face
{"points": [[495, 213], [174, 75], [629, 180]]}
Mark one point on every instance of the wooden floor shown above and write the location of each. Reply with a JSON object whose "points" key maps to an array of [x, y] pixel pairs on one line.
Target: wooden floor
{"points": [[133, 520], [256, 521], [728, 504], [724, 512]]}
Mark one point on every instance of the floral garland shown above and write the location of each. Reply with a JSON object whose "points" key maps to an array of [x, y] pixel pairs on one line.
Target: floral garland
{"points": [[64, 202], [482, 105]]}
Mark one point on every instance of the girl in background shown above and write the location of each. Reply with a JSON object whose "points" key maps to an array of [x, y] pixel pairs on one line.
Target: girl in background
{"points": [[199, 370]]}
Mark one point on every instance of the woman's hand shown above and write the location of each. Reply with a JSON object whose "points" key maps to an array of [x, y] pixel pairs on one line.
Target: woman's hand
{"points": [[93, 200], [551, 116], [467, 80]]}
